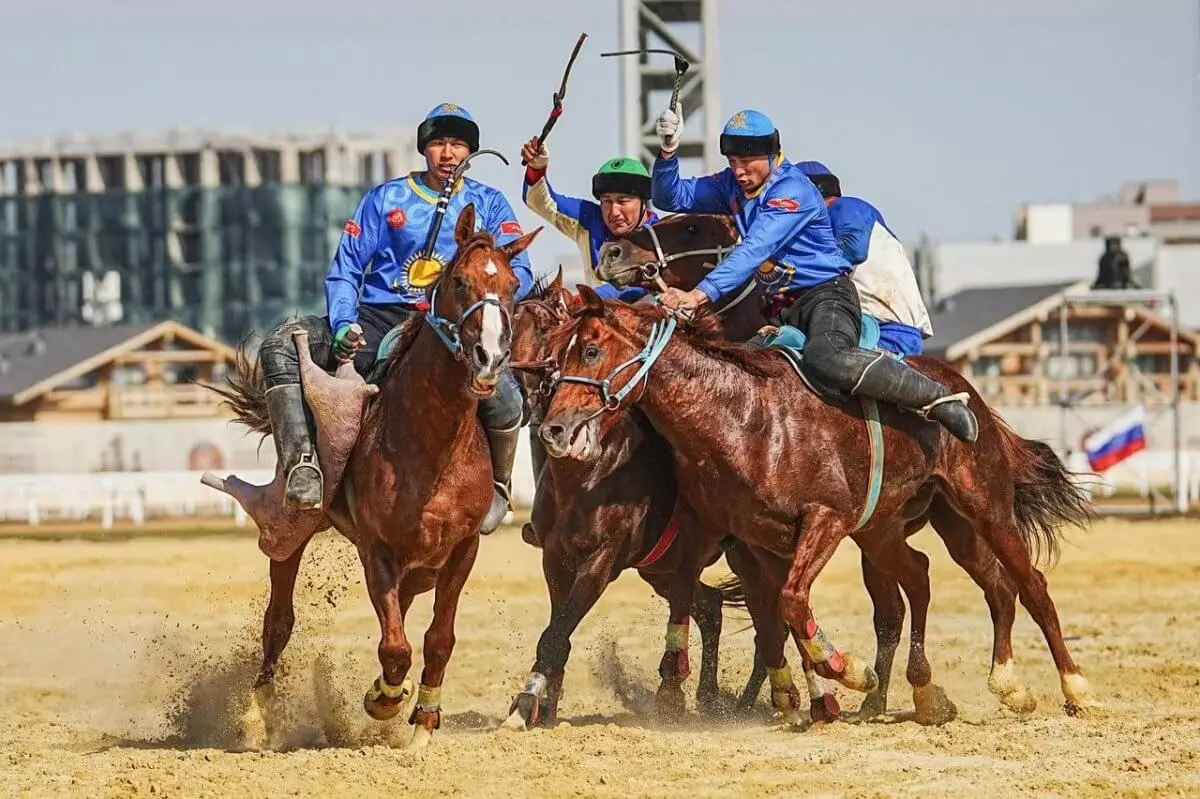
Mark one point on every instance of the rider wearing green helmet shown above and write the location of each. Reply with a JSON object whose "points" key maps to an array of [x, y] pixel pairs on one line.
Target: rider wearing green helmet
{"points": [[621, 187]]}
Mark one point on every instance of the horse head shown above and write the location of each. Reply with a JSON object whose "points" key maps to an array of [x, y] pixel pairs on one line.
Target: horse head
{"points": [[605, 355], [471, 304], [681, 249], [546, 307]]}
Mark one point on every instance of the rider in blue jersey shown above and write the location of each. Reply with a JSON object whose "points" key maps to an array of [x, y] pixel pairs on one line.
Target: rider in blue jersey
{"points": [[621, 188], [886, 283], [788, 245], [378, 280]]}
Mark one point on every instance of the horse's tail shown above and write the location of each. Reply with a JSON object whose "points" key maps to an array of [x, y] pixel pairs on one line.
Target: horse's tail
{"points": [[1047, 498], [245, 392], [733, 593]]}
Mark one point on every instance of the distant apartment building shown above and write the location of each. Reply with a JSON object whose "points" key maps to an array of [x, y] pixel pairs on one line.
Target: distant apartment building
{"points": [[1152, 208], [220, 232]]}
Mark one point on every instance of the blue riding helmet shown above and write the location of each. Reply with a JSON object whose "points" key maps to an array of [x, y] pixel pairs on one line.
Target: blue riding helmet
{"points": [[749, 132], [448, 120]]}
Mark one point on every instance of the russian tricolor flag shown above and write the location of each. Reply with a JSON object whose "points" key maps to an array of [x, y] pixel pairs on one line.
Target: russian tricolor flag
{"points": [[1110, 445]]}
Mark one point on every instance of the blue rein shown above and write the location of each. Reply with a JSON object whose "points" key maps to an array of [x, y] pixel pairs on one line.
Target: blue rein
{"points": [[656, 344], [448, 331]]}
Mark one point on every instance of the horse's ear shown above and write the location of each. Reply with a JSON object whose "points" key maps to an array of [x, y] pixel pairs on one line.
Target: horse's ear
{"points": [[557, 282], [592, 304], [591, 300], [520, 245], [465, 227]]}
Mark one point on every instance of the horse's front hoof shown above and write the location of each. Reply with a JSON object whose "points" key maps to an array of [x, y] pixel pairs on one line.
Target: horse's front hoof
{"points": [[1020, 701], [384, 702], [873, 706], [933, 707], [1081, 702], [824, 710], [849, 670]]}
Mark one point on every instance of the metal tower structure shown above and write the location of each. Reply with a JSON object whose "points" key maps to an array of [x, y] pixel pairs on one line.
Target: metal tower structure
{"points": [[688, 27]]}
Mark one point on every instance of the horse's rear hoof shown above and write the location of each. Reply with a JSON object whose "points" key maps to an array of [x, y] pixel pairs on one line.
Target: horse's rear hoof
{"points": [[669, 701], [824, 710], [933, 707], [1020, 701], [523, 713]]}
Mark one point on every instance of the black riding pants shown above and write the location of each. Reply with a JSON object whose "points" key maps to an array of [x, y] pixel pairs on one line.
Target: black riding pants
{"points": [[281, 364], [831, 318]]}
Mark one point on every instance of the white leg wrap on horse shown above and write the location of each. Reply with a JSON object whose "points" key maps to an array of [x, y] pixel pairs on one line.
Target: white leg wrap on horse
{"points": [[677, 637], [429, 699], [535, 684], [815, 689], [401, 691]]}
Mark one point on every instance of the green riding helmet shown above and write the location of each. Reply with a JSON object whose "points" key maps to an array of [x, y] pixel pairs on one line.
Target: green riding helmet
{"points": [[622, 176]]}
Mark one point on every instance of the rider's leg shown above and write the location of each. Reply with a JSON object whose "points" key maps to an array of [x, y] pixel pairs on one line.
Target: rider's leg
{"points": [[291, 423], [831, 318], [376, 321], [501, 417]]}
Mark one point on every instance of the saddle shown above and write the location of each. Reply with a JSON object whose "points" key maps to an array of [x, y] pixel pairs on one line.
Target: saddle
{"points": [[392, 340], [790, 341]]}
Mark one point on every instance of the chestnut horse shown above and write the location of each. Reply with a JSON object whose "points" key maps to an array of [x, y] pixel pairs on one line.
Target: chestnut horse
{"points": [[418, 480], [680, 251], [759, 454], [593, 521]]}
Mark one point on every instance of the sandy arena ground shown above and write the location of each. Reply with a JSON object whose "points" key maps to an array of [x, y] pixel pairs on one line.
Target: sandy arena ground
{"points": [[124, 666]]}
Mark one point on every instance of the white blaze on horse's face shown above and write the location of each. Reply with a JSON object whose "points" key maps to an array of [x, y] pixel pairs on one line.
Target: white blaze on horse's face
{"points": [[492, 339]]}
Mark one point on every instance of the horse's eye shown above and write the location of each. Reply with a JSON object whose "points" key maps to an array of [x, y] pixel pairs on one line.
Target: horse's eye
{"points": [[591, 353], [460, 283]]}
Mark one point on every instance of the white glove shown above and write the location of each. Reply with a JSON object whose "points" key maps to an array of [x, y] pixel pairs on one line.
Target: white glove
{"points": [[669, 128]]}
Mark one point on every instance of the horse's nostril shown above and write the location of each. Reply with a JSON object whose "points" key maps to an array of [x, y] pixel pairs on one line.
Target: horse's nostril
{"points": [[553, 432], [481, 356]]}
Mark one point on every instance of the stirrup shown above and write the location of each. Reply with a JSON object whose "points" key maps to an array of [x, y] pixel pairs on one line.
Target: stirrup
{"points": [[504, 491], [307, 461], [924, 412]]}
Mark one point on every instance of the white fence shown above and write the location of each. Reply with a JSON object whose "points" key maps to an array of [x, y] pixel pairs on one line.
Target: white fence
{"points": [[137, 496], [106, 497]]}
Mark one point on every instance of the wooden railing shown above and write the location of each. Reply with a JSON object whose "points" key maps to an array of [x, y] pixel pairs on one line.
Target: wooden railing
{"points": [[162, 402]]}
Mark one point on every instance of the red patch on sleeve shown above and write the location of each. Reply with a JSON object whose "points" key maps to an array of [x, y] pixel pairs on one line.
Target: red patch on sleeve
{"points": [[511, 229], [397, 218], [784, 204], [352, 228]]}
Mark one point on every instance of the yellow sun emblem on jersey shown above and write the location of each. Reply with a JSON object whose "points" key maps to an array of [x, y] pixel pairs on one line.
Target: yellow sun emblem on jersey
{"points": [[421, 272], [737, 121], [449, 108]]}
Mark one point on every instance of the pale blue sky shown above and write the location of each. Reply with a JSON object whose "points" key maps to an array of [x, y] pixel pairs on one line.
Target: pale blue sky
{"points": [[946, 114]]}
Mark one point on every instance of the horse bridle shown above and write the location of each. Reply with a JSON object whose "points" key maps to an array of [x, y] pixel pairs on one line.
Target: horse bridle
{"points": [[449, 332], [656, 344], [653, 271]]}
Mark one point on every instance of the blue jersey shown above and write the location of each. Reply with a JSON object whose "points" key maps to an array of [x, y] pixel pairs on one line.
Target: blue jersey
{"points": [[388, 232], [787, 239], [581, 220], [883, 275]]}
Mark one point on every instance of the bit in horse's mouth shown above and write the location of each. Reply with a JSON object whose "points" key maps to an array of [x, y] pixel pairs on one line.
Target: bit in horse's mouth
{"points": [[581, 442], [482, 389]]}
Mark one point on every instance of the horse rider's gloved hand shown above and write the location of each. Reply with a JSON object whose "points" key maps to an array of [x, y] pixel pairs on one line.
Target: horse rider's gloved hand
{"points": [[535, 155], [669, 128], [347, 342]]}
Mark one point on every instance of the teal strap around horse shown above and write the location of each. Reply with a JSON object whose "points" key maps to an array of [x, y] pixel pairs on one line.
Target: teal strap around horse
{"points": [[791, 342], [875, 483]]}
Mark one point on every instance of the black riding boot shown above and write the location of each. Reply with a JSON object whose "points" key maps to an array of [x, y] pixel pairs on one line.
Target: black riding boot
{"points": [[891, 380], [294, 444], [503, 445]]}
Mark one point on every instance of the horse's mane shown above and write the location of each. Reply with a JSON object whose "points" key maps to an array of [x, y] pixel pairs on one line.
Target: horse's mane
{"points": [[702, 331], [541, 287]]}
